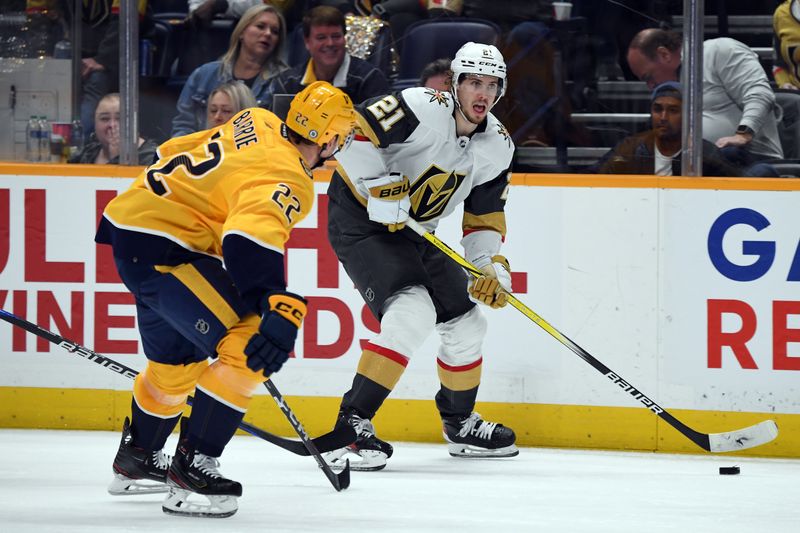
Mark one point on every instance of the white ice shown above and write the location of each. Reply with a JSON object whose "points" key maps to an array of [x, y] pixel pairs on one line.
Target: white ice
{"points": [[56, 481]]}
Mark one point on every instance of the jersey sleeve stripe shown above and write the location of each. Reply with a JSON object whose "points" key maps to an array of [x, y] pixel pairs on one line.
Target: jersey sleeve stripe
{"points": [[253, 239], [365, 129], [488, 221]]}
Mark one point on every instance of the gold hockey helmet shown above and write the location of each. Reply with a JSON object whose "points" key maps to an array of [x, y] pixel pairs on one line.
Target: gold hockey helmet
{"points": [[320, 112]]}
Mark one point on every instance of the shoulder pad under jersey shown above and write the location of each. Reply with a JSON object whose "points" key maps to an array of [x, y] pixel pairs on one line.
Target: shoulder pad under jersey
{"points": [[494, 143]]}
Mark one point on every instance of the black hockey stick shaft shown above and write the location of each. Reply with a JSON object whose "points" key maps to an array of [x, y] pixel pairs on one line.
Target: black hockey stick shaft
{"points": [[339, 481], [700, 439], [327, 442]]}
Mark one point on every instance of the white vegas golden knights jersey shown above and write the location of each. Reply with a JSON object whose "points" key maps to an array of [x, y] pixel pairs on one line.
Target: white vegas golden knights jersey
{"points": [[414, 132]]}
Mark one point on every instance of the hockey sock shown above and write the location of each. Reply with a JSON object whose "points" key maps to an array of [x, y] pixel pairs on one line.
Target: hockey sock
{"points": [[455, 403], [459, 389], [150, 432], [379, 370], [212, 424], [365, 397]]}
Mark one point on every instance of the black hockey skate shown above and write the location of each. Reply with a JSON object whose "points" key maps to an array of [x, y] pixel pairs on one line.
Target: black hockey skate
{"points": [[371, 450], [136, 470], [472, 436], [194, 472]]}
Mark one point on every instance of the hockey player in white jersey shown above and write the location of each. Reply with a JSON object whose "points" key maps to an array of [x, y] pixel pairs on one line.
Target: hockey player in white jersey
{"points": [[420, 153]]}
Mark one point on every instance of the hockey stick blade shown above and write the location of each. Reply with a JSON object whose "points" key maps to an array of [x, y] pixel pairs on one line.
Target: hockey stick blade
{"points": [[325, 443], [340, 480], [332, 440], [741, 439]]}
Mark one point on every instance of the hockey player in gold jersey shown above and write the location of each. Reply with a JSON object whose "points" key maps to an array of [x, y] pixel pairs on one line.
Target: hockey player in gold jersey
{"points": [[232, 193]]}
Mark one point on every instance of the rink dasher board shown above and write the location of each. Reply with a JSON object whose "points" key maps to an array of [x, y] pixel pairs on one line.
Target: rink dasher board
{"points": [[649, 275]]}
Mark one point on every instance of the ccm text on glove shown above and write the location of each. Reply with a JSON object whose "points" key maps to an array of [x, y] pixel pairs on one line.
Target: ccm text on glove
{"points": [[268, 349]]}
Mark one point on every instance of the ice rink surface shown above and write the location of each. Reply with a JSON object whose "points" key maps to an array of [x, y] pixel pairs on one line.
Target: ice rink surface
{"points": [[56, 481]]}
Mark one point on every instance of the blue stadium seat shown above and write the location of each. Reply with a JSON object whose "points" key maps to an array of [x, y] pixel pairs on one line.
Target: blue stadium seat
{"points": [[430, 39]]}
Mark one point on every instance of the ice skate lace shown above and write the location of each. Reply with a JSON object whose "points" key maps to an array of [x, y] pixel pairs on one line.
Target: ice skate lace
{"points": [[477, 427], [363, 426], [207, 465], [161, 460]]}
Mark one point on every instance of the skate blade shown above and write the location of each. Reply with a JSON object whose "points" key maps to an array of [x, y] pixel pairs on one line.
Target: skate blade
{"points": [[177, 503], [125, 486], [360, 460], [476, 452]]}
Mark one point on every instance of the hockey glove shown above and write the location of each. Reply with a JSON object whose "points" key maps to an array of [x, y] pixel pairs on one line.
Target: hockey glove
{"points": [[491, 287], [268, 349], [388, 201]]}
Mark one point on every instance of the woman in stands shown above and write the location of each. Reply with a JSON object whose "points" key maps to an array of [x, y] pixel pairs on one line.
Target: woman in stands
{"points": [[227, 100], [103, 145], [253, 57]]}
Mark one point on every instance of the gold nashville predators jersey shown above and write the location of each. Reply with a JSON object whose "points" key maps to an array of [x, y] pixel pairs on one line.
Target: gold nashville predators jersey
{"points": [[786, 24], [242, 178]]}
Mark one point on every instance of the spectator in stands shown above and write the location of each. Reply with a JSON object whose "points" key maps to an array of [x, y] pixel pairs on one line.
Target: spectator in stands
{"points": [[99, 47], [227, 100], [786, 23], [740, 114], [658, 151], [611, 25], [323, 34], [103, 145], [537, 108], [437, 75], [253, 57]]}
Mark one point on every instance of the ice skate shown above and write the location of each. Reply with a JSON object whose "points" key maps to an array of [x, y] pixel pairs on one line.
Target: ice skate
{"points": [[367, 453], [471, 436], [196, 487], [136, 470]]}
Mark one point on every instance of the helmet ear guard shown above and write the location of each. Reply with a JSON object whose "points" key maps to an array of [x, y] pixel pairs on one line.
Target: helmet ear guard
{"points": [[320, 112], [480, 59]]}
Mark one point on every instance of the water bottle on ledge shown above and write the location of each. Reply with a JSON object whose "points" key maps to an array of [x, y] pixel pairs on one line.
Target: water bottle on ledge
{"points": [[32, 140], [76, 138], [44, 140]]}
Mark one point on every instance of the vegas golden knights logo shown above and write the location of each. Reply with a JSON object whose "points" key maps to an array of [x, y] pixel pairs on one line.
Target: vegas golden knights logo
{"points": [[432, 191]]}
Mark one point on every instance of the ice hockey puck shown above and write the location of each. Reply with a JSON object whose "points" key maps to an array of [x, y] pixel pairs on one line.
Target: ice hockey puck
{"points": [[729, 470]]}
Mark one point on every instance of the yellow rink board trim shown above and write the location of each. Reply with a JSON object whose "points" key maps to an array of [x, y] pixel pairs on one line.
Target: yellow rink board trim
{"points": [[54, 169], [323, 175], [558, 426]]}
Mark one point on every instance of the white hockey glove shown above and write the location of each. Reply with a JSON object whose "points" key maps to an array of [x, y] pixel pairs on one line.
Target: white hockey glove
{"points": [[493, 286], [388, 201]]}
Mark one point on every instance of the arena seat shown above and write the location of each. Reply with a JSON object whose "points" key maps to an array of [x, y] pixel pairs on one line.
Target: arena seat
{"points": [[427, 40]]}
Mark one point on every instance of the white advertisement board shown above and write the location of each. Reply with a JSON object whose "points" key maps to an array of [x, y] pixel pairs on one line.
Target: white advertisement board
{"points": [[692, 296]]}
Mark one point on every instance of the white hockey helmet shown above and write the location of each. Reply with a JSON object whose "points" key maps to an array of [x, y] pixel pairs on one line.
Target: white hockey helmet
{"points": [[477, 58]]}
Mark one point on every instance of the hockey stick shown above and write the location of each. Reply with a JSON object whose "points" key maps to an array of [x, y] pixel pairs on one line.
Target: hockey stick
{"points": [[740, 439], [332, 440], [339, 481]]}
